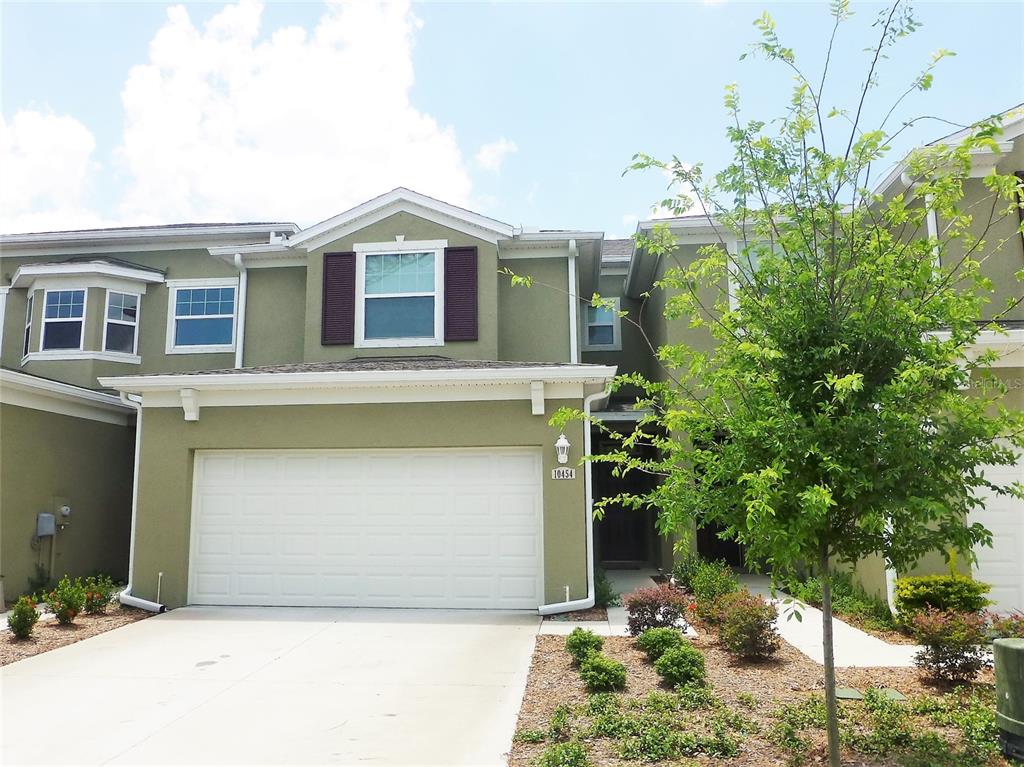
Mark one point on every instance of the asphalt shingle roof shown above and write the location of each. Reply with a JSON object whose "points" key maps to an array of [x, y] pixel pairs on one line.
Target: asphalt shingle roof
{"points": [[387, 364]]}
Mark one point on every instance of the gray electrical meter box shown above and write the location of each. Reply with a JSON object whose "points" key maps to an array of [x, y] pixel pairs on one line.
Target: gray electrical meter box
{"points": [[45, 525]]}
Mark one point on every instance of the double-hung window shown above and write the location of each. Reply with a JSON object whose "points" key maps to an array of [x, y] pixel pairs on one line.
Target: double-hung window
{"points": [[399, 297], [121, 326], [603, 331], [201, 317], [63, 319], [28, 323]]}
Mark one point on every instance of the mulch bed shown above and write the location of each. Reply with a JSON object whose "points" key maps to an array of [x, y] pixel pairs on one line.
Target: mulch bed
{"points": [[48, 634], [788, 678], [590, 614]]}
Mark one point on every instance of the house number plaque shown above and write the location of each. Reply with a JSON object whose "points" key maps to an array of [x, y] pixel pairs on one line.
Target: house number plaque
{"points": [[563, 472]]}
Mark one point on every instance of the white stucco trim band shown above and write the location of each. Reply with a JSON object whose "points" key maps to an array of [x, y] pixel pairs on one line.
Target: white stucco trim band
{"points": [[30, 391], [364, 387]]}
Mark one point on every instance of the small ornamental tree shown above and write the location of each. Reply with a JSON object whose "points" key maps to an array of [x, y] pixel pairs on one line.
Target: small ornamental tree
{"points": [[831, 420]]}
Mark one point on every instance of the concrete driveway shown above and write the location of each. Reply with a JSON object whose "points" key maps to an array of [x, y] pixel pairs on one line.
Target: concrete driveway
{"points": [[275, 686]]}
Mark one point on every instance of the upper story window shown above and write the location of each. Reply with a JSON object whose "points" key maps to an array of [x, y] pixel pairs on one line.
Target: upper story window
{"points": [[28, 323], [121, 326], [63, 319], [201, 316], [603, 330], [400, 294]]}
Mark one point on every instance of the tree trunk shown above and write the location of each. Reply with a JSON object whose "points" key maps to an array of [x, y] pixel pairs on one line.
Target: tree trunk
{"points": [[831, 707]]}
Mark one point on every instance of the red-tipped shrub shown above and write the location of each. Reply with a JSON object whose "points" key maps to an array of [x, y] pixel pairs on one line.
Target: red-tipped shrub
{"points": [[951, 643], [661, 606]]}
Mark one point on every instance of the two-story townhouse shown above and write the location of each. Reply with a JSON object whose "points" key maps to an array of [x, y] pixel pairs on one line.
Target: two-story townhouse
{"points": [[351, 414]]}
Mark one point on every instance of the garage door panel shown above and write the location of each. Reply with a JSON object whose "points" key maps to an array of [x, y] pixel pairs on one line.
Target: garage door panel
{"points": [[441, 528], [1002, 564]]}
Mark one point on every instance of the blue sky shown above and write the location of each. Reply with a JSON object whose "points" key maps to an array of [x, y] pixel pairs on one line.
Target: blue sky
{"points": [[137, 113]]}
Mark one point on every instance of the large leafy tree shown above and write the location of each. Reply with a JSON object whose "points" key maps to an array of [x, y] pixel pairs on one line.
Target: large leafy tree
{"points": [[831, 421]]}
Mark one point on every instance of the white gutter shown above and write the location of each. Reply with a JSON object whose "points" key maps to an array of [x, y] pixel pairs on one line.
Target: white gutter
{"points": [[574, 305], [588, 512], [243, 290], [126, 597], [3, 309]]}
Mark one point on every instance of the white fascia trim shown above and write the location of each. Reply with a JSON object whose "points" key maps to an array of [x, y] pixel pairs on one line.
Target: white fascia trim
{"points": [[83, 354], [571, 374], [29, 391], [401, 200], [28, 274], [43, 239], [1008, 344]]}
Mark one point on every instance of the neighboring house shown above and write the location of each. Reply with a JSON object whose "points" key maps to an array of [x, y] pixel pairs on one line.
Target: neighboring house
{"points": [[356, 413]]}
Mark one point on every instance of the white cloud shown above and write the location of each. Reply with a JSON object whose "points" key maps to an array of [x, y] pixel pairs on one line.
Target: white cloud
{"points": [[630, 219], [491, 156], [225, 124], [47, 166]]}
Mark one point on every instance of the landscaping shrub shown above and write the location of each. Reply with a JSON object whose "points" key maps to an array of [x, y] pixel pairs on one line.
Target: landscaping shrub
{"points": [[696, 695], [681, 665], [602, 674], [952, 643], [99, 591], [953, 592], [581, 643], [656, 641], [530, 736], [22, 618], [713, 611], [1007, 626], [66, 600], [605, 594], [710, 580], [748, 627], [653, 739], [661, 606], [559, 725], [848, 599], [682, 572], [571, 754]]}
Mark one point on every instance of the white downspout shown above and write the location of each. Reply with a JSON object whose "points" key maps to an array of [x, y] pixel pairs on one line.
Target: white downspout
{"points": [[574, 306], [243, 289], [588, 512], [890, 576], [126, 597]]}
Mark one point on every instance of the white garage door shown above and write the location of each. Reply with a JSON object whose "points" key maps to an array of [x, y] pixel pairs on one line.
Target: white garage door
{"points": [[389, 528], [1003, 564]]}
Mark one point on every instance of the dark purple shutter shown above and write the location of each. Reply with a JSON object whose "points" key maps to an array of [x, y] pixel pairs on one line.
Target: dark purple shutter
{"points": [[338, 323], [460, 306]]}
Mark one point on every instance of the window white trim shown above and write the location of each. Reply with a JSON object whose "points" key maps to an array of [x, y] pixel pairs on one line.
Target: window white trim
{"points": [[436, 247], [71, 354], [173, 286], [26, 341], [616, 344], [57, 353], [107, 322]]}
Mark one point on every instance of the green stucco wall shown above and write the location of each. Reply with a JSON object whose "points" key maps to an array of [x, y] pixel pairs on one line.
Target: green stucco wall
{"points": [[169, 444], [535, 320], [413, 228], [47, 460], [275, 316]]}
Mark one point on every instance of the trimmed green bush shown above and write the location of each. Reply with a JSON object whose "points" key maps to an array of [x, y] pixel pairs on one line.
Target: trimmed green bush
{"points": [[681, 665], [748, 627], [683, 570], [602, 674], [99, 591], [656, 641], [581, 643], [22, 618], [710, 580], [66, 600], [571, 754], [952, 592]]}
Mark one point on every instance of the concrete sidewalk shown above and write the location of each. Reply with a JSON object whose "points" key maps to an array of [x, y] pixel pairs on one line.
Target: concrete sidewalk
{"points": [[852, 647]]}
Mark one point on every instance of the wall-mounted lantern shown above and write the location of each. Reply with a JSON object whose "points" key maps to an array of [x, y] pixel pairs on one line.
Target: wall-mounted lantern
{"points": [[562, 449]]}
